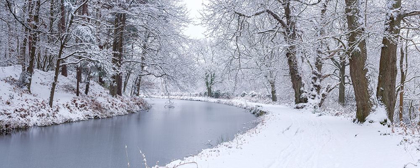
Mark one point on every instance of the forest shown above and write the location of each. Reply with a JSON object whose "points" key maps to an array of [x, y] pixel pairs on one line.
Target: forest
{"points": [[69, 60], [359, 53]]}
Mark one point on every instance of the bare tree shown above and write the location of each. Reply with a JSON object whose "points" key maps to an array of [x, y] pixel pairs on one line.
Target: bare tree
{"points": [[386, 92], [65, 34], [357, 53]]}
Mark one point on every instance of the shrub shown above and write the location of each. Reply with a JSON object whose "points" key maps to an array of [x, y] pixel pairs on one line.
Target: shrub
{"points": [[216, 94]]}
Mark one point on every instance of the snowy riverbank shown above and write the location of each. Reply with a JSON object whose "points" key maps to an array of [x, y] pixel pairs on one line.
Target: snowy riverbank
{"points": [[21, 109], [293, 138], [252, 107]]}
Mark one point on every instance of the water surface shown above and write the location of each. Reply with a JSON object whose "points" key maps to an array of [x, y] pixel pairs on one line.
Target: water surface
{"points": [[162, 134]]}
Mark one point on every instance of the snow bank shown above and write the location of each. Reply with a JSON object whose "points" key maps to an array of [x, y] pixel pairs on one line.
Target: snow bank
{"points": [[378, 116], [293, 138], [21, 109], [254, 108]]}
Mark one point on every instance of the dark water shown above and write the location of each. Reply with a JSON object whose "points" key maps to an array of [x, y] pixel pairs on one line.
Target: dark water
{"points": [[161, 134]]}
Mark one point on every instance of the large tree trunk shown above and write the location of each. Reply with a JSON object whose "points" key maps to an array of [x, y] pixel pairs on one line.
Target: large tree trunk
{"points": [[358, 55], [291, 38], [316, 78], [116, 85], [388, 63], [33, 41], [296, 78]]}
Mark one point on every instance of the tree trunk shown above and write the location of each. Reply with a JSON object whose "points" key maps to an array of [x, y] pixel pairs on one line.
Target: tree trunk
{"points": [[78, 79], [49, 52], [138, 85], [126, 80], [116, 85], [84, 12], [317, 71], [34, 40], [62, 27], [403, 71], [89, 76], [143, 63], [24, 82], [291, 38], [101, 77], [209, 92], [56, 73], [64, 38], [342, 86], [209, 77], [273, 91], [388, 64], [402, 82], [358, 55]]}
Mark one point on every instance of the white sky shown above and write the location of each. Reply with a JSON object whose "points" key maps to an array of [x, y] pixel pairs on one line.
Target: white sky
{"points": [[193, 30]]}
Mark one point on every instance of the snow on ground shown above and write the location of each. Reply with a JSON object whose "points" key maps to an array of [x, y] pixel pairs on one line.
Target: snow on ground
{"points": [[21, 109], [290, 138]]}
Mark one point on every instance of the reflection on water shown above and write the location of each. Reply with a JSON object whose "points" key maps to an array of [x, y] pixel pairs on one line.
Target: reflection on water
{"points": [[162, 134]]}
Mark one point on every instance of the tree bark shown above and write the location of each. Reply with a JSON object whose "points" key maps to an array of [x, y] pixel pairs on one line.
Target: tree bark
{"points": [[138, 85], [126, 80], [64, 38], [78, 79], [62, 27], [403, 71], [342, 86], [24, 82], [49, 52], [101, 77], [273, 91], [402, 82], [388, 63], [316, 78], [33, 41], [79, 68], [116, 85], [209, 77], [358, 55], [143, 63], [56, 73], [291, 38], [89, 76]]}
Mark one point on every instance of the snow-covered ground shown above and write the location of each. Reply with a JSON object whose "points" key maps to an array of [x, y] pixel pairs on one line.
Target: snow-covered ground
{"points": [[21, 109], [290, 138]]}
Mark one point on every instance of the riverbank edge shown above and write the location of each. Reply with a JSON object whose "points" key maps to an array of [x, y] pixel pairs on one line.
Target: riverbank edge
{"points": [[98, 110], [255, 109], [21, 109]]}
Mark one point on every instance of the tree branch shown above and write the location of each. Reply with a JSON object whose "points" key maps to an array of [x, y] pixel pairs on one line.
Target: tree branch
{"points": [[274, 15], [411, 13]]}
